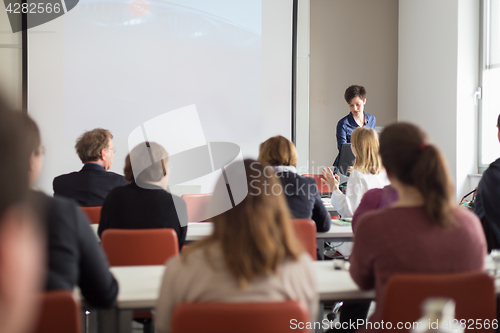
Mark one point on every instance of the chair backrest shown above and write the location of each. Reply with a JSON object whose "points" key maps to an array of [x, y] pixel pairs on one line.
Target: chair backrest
{"points": [[59, 313], [197, 206], [132, 247], [276, 317], [473, 292], [305, 231], [322, 188], [93, 213]]}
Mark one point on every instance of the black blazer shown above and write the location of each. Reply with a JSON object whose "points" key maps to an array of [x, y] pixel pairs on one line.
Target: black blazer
{"points": [[89, 186], [74, 255], [303, 199], [133, 207]]}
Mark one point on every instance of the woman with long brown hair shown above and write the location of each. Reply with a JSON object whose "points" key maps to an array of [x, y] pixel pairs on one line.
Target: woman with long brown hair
{"points": [[251, 256], [424, 231]]}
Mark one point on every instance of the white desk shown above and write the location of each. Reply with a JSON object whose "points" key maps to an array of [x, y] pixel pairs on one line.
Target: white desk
{"points": [[139, 288], [197, 231]]}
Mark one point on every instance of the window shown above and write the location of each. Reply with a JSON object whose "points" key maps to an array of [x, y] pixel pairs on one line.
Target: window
{"points": [[489, 147]]}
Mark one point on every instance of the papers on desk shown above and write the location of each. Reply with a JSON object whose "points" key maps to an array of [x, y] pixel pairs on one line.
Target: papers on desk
{"points": [[347, 222]]}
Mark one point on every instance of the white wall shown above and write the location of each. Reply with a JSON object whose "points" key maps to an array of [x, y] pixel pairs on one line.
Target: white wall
{"points": [[302, 90], [437, 77], [352, 42]]}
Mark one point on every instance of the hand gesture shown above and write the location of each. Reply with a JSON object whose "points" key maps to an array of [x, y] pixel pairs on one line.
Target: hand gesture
{"points": [[331, 180]]}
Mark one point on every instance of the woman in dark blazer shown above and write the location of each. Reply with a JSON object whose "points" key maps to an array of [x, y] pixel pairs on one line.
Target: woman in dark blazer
{"points": [[145, 203], [301, 192]]}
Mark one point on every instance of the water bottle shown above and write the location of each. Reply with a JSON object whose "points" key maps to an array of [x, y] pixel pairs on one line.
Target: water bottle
{"points": [[438, 317]]}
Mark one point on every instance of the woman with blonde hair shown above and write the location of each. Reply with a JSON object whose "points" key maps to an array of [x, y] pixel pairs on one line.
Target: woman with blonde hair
{"points": [[301, 193], [251, 256], [367, 173]]}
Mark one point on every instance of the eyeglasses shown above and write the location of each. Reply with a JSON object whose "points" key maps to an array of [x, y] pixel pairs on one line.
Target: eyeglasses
{"points": [[113, 149]]}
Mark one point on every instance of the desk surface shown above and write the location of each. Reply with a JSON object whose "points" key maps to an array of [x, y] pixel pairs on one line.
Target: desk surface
{"points": [[197, 231], [139, 286]]}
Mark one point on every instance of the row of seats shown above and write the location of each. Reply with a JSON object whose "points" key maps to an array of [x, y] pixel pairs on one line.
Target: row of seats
{"points": [[196, 204], [474, 294]]}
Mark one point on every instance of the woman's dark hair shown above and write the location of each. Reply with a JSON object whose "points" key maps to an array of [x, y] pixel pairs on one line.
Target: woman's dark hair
{"points": [[354, 91], [406, 154]]}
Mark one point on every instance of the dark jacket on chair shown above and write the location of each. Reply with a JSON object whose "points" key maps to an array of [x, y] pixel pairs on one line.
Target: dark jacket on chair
{"points": [[89, 186], [303, 199], [74, 255], [133, 207]]}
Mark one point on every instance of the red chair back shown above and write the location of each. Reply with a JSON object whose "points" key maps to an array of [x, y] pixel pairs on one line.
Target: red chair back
{"points": [[473, 292], [93, 213], [59, 313], [322, 188], [197, 206], [273, 317], [133, 247], [305, 231]]}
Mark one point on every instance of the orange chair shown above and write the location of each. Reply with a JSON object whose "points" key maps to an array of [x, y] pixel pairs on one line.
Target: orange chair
{"points": [[197, 206], [305, 231], [139, 247], [322, 188], [473, 292], [273, 317], [136, 247], [93, 213], [59, 313]]}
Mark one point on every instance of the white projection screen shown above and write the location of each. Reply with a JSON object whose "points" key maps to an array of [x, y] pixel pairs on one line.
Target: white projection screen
{"points": [[117, 64]]}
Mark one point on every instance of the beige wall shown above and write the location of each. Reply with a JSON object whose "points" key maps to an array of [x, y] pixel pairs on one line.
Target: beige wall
{"points": [[352, 42], [10, 61]]}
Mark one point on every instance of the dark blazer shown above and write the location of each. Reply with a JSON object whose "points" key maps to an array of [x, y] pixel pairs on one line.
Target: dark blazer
{"points": [[74, 255], [133, 207], [89, 186], [487, 208], [303, 199]]}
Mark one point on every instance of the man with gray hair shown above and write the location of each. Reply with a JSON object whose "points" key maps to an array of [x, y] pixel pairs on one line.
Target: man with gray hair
{"points": [[91, 185]]}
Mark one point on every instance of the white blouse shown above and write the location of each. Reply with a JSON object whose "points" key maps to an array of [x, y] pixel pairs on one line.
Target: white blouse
{"points": [[357, 185]]}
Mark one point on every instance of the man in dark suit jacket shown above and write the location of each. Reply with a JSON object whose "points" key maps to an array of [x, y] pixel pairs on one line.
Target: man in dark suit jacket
{"points": [[91, 185]]}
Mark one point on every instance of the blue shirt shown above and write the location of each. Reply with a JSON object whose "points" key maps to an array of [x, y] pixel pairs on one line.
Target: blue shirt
{"points": [[346, 125]]}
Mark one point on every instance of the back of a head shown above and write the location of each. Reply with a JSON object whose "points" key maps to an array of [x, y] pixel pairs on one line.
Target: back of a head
{"points": [[278, 150], [89, 144], [21, 243], [407, 154], [354, 91], [365, 142], [15, 152], [256, 235], [147, 162]]}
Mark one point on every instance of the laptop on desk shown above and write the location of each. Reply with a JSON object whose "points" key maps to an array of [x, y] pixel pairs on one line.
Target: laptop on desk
{"points": [[345, 162]]}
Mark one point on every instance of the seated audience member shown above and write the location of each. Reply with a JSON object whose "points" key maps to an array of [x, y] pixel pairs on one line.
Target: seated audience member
{"points": [[145, 203], [374, 199], [74, 255], [367, 173], [487, 207], [301, 193], [21, 244], [91, 185], [251, 256], [423, 231]]}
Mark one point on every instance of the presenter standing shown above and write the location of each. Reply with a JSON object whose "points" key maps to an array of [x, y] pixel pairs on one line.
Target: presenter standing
{"points": [[355, 96]]}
